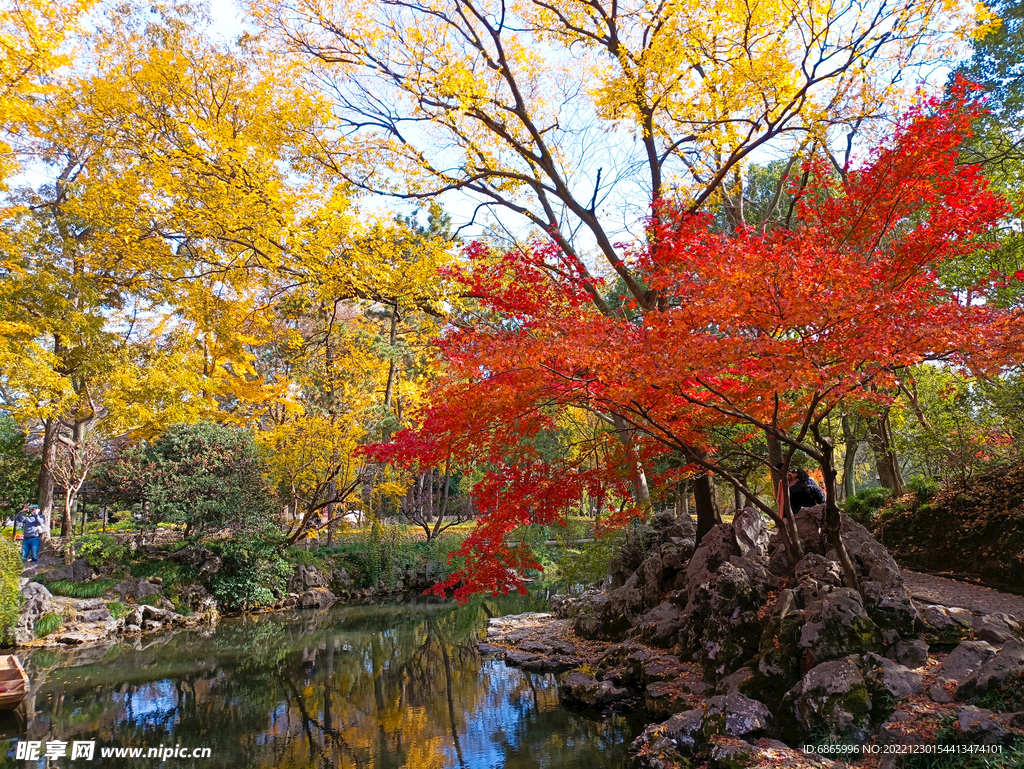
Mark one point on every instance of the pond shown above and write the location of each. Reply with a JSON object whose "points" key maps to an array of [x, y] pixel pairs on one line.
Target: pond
{"points": [[384, 686]]}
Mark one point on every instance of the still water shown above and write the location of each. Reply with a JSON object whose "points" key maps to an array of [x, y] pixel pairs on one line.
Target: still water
{"points": [[385, 686]]}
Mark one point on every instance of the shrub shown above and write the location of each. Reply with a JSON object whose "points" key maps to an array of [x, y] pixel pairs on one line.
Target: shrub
{"points": [[116, 609], [865, 505], [100, 549], [200, 475], [10, 593], [48, 623], [70, 589], [924, 489], [252, 575]]}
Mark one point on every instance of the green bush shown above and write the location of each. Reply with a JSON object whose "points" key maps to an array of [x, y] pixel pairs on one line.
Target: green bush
{"points": [[200, 476], [924, 489], [154, 599], [253, 573], [116, 609], [171, 573], [10, 593], [70, 589], [865, 505], [48, 623], [100, 549]]}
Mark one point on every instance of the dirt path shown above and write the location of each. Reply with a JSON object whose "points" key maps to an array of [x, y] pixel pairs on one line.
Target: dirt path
{"points": [[949, 592]]}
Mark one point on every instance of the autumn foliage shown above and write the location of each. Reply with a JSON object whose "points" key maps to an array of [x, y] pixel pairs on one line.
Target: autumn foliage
{"points": [[758, 330]]}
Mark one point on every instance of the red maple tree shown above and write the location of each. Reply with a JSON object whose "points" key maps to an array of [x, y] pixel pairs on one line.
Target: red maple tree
{"points": [[765, 330]]}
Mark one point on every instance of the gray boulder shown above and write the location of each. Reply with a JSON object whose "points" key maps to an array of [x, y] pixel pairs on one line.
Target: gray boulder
{"points": [[736, 716], [979, 725], [913, 652], [885, 677], [964, 659], [832, 693], [306, 578], [316, 598], [199, 558], [660, 625], [1007, 664], [675, 739], [995, 628], [837, 625], [580, 689], [37, 602]]}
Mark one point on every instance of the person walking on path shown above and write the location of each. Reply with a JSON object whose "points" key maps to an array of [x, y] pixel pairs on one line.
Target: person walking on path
{"points": [[33, 524]]}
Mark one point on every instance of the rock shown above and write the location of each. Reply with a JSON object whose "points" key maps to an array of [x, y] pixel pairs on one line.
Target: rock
{"points": [[132, 629], [339, 580], [979, 725], [660, 626], [520, 658], [306, 578], [535, 646], [885, 677], [664, 699], [965, 658], [581, 689], [901, 728], [488, 649], [913, 653], [318, 598], [737, 716], [678, 736], [609, 616], [199, 558], [831, 693], [751, 533], [721, 621], [74, 638], [88, 604], [1007, 664], [195, 597], [78, 571], [95, 615], [734, 682], [728, 754], [556, 663], [995, 628], [945, 626], [36, 590], [136, 588], [837, 626], [940, 694], [38, 601]]}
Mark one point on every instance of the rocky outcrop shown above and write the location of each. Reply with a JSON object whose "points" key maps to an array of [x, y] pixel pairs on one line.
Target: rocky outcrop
{"points": [[37, 602]]}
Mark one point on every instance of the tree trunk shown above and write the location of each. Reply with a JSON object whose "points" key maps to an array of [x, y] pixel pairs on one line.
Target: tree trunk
{"points": [[703, 497], [790, 536], [637, 476], [47, 481], [833, 520], [852, 442], [880, 440]]}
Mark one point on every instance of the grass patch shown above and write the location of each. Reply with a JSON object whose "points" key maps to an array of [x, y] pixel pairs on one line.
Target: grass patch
{"points": [[48, 623], [70, 589], [151, 600], [116, 609]]}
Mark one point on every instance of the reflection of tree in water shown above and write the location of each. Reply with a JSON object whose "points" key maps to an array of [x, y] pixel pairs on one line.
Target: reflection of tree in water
{"points": [[393, 686]]}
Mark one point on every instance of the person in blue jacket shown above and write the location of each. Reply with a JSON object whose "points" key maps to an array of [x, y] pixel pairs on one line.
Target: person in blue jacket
{"points": [[803, 491], [33, 524]]}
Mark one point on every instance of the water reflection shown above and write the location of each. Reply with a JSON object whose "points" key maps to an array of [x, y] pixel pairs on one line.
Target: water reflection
{"points": [[374, 686]]}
